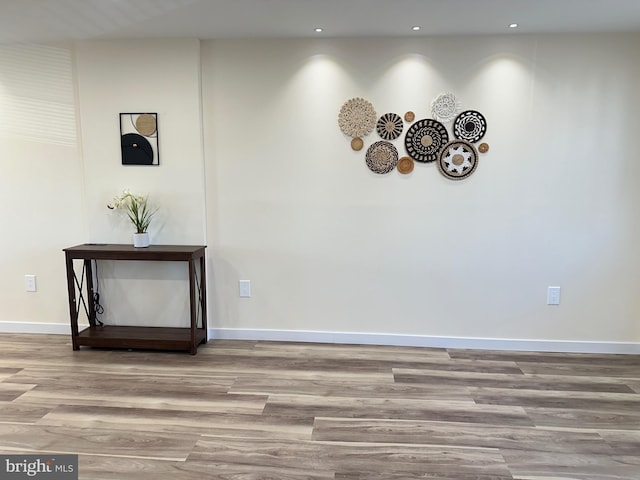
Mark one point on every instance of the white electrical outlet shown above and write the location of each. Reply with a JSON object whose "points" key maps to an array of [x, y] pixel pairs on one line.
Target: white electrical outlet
{"points": [[553, 296], [245, 288], [30, 283]]}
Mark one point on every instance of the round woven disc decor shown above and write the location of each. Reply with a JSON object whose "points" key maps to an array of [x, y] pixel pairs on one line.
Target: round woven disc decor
{"points": [[445, 107], [357, 117], [425, 139], [483, 147], [458, 160], [389, 126], [357, 144], [405, 165], [382, 157], [470, 126], [409, 116]]}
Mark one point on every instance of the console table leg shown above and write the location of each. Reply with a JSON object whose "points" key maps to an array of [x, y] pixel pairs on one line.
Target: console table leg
{"points": [[73, 310]]}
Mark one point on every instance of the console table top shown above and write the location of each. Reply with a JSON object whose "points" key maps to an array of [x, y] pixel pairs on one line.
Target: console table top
{"points": [[129, 252]]}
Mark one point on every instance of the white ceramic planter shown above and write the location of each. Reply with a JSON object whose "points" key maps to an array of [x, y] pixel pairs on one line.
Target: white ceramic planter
{"points": [[141, 240]]}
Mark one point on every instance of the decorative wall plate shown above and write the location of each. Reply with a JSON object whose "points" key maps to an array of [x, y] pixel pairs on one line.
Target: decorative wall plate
{"points": [[445, 107], [425, 139], [357, 144], [382, 157], [483, 147], [458, 159], [389, 126], [405, 165], [409, 117], [357, 117], [470, 126]]}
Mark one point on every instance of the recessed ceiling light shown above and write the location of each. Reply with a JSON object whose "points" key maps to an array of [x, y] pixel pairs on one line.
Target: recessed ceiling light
{"points": [[513, 25], [317, 30], [415, 28]]}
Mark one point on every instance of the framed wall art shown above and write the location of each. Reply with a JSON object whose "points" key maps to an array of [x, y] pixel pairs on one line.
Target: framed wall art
{"points": [[139, 139]]}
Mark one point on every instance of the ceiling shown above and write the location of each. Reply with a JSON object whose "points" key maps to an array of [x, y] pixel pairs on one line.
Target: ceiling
{"points": [[39, 21]]}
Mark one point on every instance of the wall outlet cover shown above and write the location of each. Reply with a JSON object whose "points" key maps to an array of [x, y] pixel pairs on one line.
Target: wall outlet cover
{"points": [[245, 288]]}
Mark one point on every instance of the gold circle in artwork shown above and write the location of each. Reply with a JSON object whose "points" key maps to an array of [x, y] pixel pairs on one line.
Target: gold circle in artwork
{"points": [[409, 116], [426, 140], [146, 124], [357, 144], [483, 147], [405, 165]]}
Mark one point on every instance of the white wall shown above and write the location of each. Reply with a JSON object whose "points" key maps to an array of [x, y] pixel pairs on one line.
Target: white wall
{"points": [[41, 189], [162, 76], [330, 246]]}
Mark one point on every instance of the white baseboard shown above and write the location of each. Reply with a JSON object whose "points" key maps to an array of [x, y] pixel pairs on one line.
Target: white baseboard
{"points": [[562, 346], [373, 339], [32, 327]]}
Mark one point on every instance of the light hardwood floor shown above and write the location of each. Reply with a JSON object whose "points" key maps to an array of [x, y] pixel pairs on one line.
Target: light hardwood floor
{"points": [[242, 410]]}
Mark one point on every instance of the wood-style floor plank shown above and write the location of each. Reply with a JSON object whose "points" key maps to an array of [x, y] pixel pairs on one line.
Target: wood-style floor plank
{"points": [[180, 421], [623, 442], [252, 410], [279, 385], [468, 435], [38, 438], [582, 400], [23, 412], [97, 467], [580, 466], [626, 371], [585, 419], [354, 458], [510, 381], [404, 409]]}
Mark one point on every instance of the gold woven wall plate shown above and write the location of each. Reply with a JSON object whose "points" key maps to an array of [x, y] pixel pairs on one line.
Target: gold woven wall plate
{"points": [[405, 165]]}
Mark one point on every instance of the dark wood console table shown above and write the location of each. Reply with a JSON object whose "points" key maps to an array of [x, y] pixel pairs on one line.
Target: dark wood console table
{"points": [[111, 336]]}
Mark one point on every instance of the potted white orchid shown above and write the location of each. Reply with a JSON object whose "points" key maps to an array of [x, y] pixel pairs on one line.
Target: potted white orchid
{"points": [[139, 212]]}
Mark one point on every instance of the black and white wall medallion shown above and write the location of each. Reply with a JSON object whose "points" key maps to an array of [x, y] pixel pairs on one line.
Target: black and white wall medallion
{"points": [[470, 126], [389, 126], [425, 139], [458, 159]]}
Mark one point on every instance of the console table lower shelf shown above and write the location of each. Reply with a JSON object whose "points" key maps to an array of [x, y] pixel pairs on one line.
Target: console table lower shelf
{"points": [[154, 338]]}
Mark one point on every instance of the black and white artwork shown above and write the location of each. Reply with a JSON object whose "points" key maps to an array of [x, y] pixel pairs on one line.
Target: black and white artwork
{"points": [[139, 139]]}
